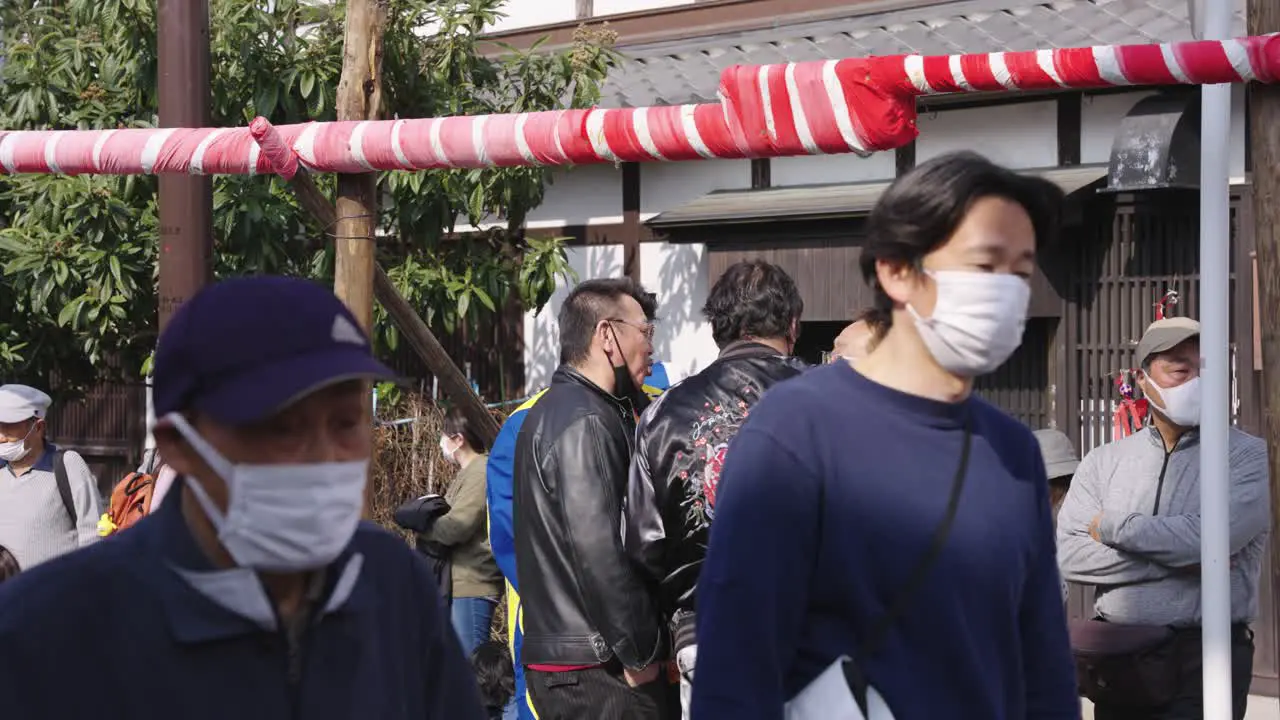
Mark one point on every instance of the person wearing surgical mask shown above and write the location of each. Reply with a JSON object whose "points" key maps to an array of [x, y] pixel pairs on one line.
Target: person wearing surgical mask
{"points": [[477, 584], [49, 498], [1130, 526], [883, 543], [255, 587], [594, 643]]}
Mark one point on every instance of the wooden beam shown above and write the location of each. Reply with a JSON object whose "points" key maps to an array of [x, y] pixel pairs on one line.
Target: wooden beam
{"points": [[904, 158], [1070, 124], [761, 174], [452, 381], [359, 98], [1264, 117], [631, 220]]}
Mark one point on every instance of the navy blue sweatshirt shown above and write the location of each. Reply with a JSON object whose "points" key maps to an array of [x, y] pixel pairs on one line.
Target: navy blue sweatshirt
{"points": [[113, 632], [784, 593]]}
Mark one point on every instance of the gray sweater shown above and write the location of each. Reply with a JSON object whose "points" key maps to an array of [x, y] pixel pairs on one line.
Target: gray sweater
{"points": [[34, 525], [1146, 565]]}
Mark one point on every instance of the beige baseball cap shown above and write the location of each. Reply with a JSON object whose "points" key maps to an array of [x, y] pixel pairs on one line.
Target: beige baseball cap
{"points": [[1166, 334]]}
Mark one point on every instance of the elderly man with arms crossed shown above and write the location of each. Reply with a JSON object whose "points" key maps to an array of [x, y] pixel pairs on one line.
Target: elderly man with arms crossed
{"points": [[1130, 526]]}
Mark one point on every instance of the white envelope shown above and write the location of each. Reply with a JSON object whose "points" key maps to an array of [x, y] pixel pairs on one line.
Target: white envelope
{"points": [[828, 697]]}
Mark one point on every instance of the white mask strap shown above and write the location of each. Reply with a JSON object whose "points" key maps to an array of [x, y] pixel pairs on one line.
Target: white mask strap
{"points": [[212, 457], [220, 465]]}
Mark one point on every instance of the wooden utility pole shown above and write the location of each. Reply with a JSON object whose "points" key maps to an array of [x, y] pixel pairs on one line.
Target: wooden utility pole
{"points": [[356, 217], [186, 202], [1264, 139], [357, 276], [359, 98]]}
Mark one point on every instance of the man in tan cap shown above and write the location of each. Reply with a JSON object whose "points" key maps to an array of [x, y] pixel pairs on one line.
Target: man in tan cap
{"points": [[1130, 526]]}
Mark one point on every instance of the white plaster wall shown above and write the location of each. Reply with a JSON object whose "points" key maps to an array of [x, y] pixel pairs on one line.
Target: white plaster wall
{"points": [[1016, 136], [583, 195], [822, 169], [541, 333], [616, 7], [678, 273], [531, 13], [671, 184]]}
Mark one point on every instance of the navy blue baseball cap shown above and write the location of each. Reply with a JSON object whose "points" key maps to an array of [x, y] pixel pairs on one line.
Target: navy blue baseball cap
{"points": [[243, 349]]}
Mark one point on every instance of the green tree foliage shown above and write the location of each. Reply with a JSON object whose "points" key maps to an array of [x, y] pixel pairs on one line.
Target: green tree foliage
{"points": [[78, 296]]}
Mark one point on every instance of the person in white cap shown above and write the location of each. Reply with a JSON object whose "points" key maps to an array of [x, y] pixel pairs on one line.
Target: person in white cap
{"points": [[49, 501], [1130, 526]]}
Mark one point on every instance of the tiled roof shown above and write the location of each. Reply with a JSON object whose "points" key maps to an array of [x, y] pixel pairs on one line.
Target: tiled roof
{"points": [[688, 71]]}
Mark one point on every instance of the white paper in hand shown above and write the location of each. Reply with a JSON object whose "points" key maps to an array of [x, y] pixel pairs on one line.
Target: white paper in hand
{"points": [[828, 697]]}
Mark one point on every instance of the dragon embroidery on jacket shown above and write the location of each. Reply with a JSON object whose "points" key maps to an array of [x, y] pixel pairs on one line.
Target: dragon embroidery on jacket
{"points": [[699, 466]]}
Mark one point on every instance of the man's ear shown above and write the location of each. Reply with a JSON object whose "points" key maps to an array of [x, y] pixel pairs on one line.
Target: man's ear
{"points": [[898, 280], [173, 447], [608, 340]]}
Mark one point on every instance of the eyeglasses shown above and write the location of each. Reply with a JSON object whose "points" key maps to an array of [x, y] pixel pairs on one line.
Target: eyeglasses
{"points": [[645, 329]]}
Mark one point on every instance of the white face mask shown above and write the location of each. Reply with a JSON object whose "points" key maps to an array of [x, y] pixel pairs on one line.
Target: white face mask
{"points": [[1181, 402], [977, 321], [281, 518], [15, 450]]}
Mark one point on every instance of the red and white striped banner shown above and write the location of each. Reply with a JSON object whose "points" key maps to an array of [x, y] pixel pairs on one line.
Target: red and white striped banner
{"points": [[811, 108]]}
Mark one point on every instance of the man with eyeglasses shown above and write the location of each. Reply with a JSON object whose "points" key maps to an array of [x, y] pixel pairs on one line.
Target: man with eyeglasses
{"points": [[593, 641]]}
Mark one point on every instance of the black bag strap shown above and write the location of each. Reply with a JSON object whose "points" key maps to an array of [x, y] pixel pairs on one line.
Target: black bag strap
{"points": [[64, 485], [880, 630]]}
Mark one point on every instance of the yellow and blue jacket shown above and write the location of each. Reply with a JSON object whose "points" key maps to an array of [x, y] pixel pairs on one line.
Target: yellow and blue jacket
{"points": [[498, 492]]}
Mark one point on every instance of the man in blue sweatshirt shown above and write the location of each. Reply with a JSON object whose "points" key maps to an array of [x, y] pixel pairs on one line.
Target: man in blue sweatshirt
{"points": [[879, 511], [255, 590]]}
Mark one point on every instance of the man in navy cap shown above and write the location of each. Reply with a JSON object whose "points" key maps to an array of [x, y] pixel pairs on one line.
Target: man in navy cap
{"points": [[256, 591]]}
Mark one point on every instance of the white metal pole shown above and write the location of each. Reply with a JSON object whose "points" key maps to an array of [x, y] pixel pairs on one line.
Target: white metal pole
{"points": [[150, 442], [1215, 319]]}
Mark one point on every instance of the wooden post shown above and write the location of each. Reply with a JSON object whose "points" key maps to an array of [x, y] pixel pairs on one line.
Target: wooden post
{"points": [[359, 98], [1264, 139]]}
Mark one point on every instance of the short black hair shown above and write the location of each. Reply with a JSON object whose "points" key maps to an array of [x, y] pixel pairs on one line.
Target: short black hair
{"points": [[495, 675], [590, 302], [922, 209], [8, 564], [753, 298], [455, 423]]}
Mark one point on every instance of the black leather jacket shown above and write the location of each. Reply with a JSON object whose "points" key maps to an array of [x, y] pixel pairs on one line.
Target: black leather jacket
{"points": [[584, 601], [680, 448]]}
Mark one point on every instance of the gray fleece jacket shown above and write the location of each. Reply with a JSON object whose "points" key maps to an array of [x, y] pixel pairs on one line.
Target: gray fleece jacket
{"points": [[1148, 501]]}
